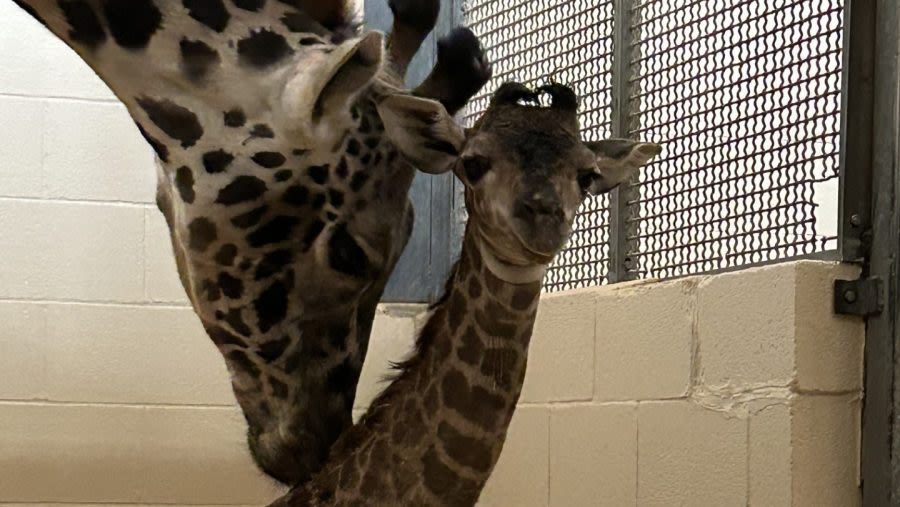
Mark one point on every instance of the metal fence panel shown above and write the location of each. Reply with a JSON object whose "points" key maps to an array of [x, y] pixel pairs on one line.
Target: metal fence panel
{"points": [[744, 94]]}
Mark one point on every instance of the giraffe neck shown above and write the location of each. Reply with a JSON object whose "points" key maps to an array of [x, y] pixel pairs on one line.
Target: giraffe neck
{"points": [[435, 434]]}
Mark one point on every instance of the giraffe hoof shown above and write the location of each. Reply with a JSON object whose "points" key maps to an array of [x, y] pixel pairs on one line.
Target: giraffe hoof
{"points": [[462, 56]]}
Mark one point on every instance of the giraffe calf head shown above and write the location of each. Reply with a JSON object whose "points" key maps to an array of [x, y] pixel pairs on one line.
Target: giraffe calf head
{"points": [[524, 164]]}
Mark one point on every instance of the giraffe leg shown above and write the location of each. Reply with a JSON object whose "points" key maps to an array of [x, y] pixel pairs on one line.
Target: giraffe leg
{"points": [[413, 21], [462, 69]]}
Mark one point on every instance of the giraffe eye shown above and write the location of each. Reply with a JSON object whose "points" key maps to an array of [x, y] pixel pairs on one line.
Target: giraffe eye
{"points": [[587, 178], [476, 167]]}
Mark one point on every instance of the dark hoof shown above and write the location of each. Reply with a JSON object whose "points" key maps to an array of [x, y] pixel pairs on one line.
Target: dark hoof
{"points": [[461, 56], [419, 14]]}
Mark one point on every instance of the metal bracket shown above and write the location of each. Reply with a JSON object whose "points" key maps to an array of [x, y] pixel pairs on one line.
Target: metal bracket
{"points": [[863, 297]]}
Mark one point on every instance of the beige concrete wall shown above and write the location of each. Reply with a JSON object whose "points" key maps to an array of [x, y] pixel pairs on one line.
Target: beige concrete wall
{"points": [[739, 389]]}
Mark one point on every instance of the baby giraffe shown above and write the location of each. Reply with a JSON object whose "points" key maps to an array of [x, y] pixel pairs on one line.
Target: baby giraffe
{"points": [[434, 435]]}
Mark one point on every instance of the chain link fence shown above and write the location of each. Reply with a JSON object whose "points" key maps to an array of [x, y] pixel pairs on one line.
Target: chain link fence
{"points": [[745, 95]]}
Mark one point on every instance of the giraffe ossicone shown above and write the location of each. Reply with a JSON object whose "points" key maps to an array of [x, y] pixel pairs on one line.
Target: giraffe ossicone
{"points": [[435, 434], [286, 198]]}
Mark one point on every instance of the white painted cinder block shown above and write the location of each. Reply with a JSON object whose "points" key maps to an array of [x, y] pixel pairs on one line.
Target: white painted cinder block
{"points": [[689, 455], [521, 477], [71, 251], [37, 64], [593, 455], [560, 359], [132, 355], [23, 346], [644, 341], [116, 454], [393, 340], [21, 144], [93, 151]]}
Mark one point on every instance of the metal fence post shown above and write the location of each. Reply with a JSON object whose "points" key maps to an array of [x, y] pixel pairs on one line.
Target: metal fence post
{"points": [[621, 267], [880, 442]]}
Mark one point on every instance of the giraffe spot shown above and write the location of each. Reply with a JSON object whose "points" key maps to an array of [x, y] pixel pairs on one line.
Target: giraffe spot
{"points": [[162, 151], [467, 451], [132, 22], [177, 122], [197, 58], [217, 161], [342, 378], [274, 231], [331, 216], [457, 311], [271, 306], [342, 171], [202, 233], [184, 182], [84, 25], [241, 189], [293, 361], [279, 388], [211, 291], [222, 337], [345, 255], [353, 147], [262, 131], [271, 351], [235, 118], [337, 337], [232, 287], [497, 311], [269, 159], [235, 319], [249, 5], [318, 201], [310, 41], [300, 22], [284, 175], [272, 263], [366, 159], [523, 298], [475, 289], [372, 143], [493, 327], [444, 483], [297, 195], [250, 218], [242, 364], [336, 197], [211, 13], [358, 181], [365, 125], [226, 255], [498, 364], [263, 48], [477, 405], [377, 159], [312, 234], [318, 173]]}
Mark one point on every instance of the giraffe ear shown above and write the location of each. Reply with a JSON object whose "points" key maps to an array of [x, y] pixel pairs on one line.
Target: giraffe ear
{"points": [[617, 161], [423, 131], [326, 83]]}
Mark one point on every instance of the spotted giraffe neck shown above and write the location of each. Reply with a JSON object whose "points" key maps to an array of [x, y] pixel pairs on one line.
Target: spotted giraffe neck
{"points": [[435, 434]]}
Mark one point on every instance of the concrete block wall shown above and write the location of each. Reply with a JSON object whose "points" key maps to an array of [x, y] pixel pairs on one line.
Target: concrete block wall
{"points": [[737, 389]]}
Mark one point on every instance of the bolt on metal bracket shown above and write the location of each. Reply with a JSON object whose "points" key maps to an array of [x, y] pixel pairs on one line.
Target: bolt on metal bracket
{"points": [[863, 297]]}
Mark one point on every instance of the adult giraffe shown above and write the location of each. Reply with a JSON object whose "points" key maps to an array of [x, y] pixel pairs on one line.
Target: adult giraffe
{"points": [[283, 177]]}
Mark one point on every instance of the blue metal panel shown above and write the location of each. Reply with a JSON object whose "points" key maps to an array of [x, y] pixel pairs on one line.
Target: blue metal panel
{"points": [[421, 272]]}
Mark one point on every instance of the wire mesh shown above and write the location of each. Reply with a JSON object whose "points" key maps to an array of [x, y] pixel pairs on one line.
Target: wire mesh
{"points": [[531, 41], [745, 96]]}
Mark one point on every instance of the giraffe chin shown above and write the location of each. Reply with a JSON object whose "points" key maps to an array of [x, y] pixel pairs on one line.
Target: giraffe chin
{"points": [[290, 463]]}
